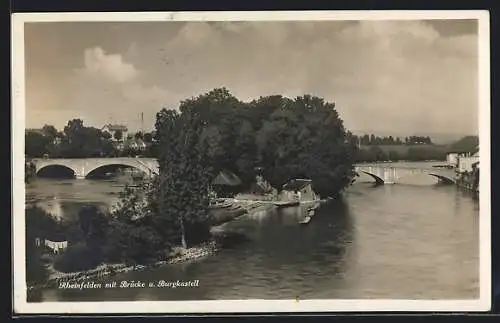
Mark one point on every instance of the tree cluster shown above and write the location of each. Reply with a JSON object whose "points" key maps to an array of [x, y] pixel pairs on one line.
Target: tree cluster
{"points": [[276, 137], [373, 140], [79, 141], [281, 138]]}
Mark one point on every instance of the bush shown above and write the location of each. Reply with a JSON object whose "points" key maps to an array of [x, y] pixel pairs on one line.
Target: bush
{"points": [[40, 224], [134, 244], [77, 257], [197, 232]]}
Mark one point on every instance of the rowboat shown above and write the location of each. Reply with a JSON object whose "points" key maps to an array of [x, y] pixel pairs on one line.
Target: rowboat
{"points": [[305, 220], [224, 205], [283, 204]]}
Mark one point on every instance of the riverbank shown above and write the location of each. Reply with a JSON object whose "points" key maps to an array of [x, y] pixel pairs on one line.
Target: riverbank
{"points": [[177, 255], [237, 207], [468, 182]]}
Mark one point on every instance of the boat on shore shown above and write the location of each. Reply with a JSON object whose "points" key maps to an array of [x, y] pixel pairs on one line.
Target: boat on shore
{"points": [[219, 204], [283, 204], [310, 213], [306, 220]]}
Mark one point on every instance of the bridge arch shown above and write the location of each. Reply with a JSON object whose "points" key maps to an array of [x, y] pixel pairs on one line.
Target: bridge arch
{"points": [[426, 173], [138, 166], [70, 172], [378, 180], [443, 179]]}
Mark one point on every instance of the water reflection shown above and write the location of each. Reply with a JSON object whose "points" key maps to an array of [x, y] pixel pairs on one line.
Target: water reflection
{"points": [[64, 197]]}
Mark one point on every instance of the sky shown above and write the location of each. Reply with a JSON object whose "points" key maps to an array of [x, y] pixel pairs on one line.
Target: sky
{"points": [[409, 77]]}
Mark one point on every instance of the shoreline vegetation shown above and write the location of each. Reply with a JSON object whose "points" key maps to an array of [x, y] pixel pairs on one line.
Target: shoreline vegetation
{"points": [[177, 255], [170, 219]]}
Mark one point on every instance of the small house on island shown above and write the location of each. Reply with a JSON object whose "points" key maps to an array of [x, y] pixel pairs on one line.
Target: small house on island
{"points": [[299, 189], [226, 184]]}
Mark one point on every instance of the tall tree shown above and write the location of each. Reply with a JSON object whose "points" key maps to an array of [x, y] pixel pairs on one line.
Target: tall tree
{"points": [[80, 141], [148, 137], [36, 144], [184, 179]]}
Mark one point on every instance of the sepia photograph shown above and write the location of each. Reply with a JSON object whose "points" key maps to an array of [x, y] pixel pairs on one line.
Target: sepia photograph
{"points": [[208, 162]]}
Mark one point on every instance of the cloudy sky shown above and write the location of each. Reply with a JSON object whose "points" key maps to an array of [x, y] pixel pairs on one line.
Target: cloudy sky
{"points": [[385, 76]]}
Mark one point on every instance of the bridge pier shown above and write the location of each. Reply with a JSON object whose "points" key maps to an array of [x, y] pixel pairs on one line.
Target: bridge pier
{"points": [[388, 176]]}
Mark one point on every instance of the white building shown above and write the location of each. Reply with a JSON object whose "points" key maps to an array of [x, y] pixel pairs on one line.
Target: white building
{"points": [[112, 129], [298, 189], [466, 163], [55, 246], [452, 159]]}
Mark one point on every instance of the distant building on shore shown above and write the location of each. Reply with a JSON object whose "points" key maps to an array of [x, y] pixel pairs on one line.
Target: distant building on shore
{"points": [[452, 158], [462, 160], [112, 129], [467, 171], [467, 162]]}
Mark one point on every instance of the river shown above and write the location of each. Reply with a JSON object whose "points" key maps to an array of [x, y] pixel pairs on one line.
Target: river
{"points": [[412, 240]]}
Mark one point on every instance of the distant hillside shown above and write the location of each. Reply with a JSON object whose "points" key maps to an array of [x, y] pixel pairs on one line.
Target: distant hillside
{"points": [[403, 149], [445, 139], [465, 144]]}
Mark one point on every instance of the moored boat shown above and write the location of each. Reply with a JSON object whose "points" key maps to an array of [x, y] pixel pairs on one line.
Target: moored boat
{"points": [[283, 204], [306, 220]]}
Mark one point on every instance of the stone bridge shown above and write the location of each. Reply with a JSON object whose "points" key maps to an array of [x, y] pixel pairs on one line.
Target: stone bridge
{"points": [[392, 175], [82, 167]]}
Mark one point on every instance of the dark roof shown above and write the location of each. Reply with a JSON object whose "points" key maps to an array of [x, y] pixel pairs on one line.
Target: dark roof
{"points": [[296, 184], [226, 178]]}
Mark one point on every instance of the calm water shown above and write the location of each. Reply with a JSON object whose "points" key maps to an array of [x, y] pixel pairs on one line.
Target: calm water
{"points": [[413, 240]]}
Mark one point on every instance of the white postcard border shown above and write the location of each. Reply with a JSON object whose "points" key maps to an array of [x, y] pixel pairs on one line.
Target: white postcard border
{"points": [[21, 306]]}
